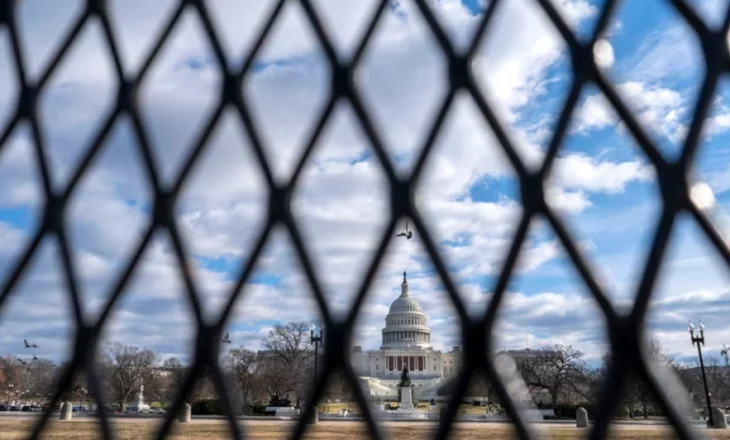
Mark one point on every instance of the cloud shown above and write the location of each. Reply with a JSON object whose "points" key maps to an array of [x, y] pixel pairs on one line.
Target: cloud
{"points": [[469, 194], [659, 109]]}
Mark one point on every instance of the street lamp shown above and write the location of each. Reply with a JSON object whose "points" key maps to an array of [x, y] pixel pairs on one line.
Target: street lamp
{"points": [[316, 340], [700, 341], [724, 353]]}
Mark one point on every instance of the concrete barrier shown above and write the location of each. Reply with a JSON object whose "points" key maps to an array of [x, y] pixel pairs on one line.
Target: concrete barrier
{"points": [[581, 418], [186, 413], [719, 420], [66, 411]]}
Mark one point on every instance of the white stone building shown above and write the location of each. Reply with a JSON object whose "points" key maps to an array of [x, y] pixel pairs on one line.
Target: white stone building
{"points": [[406, 341]]}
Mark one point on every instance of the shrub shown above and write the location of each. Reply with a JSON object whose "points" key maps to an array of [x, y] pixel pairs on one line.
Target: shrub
{"points": [[207, 407]]}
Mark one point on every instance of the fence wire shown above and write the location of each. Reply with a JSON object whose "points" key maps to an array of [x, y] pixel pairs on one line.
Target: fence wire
{"points": [[625, 329]]}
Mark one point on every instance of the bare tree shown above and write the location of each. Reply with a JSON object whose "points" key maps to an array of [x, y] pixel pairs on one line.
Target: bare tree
{"points": [[12, 375], [718, 381], [555, 370], [175, 372], [276, 379], [289, 345], [637, 391], [156, 386], [244, 368], [40, 379], [124, 366]]}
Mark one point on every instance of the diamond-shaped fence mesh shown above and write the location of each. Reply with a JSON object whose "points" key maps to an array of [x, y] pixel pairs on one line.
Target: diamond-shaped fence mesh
{"points": [[624, 329]]}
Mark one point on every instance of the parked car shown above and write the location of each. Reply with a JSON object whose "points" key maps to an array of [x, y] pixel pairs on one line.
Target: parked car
{"points": [[25, 408], [3, 408], [13, 408]]}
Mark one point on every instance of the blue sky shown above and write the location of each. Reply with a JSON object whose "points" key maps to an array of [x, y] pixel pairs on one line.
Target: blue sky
{"points": [[601, 184]]}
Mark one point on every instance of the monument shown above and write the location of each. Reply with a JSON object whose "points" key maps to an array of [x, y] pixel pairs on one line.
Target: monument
{"points": [[139, 406], [405, 391]]}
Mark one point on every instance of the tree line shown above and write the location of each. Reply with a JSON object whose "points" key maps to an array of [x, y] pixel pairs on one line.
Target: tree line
{"points": [[282, 372], [558, 377], [555, 377]]}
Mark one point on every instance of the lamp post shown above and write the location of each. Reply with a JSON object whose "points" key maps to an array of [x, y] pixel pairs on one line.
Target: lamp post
{"points": [[700, 341], [316, 340], [725, 352]]}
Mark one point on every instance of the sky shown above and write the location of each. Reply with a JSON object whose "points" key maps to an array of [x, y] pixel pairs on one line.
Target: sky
{"points": [[601, 185]]}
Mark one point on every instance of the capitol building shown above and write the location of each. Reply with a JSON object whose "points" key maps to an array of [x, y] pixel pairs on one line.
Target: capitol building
{"points": [[406, 342]]}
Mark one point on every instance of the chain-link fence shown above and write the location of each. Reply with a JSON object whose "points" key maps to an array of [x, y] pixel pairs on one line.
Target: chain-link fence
{"points": [[625, 330]]}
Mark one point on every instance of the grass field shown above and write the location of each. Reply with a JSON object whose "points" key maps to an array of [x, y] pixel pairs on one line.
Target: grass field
{"points": [[128, 430]]}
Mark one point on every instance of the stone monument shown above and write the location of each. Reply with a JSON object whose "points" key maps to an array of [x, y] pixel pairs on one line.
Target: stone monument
{"points": [[140, 406], [581, 418], [405, 391]]}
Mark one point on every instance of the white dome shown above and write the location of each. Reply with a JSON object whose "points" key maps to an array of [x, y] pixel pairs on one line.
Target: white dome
{"points": [[406, 325], [405, 304]]}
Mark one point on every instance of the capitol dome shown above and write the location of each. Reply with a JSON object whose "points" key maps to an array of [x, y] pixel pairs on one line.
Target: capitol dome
{"points": [[406, 325]]}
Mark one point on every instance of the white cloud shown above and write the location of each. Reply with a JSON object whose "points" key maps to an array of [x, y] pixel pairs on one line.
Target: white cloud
{"points": [[340, 204], [581, 171], [659, 109]]}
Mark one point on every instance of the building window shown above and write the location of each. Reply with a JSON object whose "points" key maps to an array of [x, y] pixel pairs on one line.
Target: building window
{"points": [[377, 367]]}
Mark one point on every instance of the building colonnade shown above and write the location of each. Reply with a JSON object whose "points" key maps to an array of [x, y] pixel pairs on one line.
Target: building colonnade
{"points": [[414, 363], [403, 336]]}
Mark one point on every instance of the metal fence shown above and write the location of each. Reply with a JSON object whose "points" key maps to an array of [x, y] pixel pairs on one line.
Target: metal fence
{"points": [[624, 329]]}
